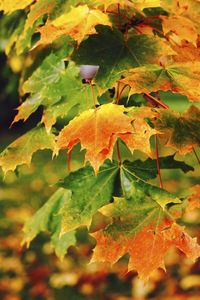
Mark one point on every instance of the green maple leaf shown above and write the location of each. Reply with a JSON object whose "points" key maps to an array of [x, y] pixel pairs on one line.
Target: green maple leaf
{"points": [[113, 54], [180, 131], [83, 194], [180, 78], [89, 193], [57, 89], [148, 169]]}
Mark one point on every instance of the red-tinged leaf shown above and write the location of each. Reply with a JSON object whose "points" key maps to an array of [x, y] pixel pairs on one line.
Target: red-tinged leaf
{"points": [[187, 52]]}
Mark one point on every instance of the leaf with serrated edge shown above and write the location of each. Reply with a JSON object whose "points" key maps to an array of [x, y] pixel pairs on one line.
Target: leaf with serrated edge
{"points": [[62, 90], [97, 130], [180, 131], [78, 22], [180, 78], [89, 193], [118, 55]]}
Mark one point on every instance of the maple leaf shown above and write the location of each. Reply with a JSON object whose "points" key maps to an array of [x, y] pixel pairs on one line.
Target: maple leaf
{"points": [[133, 228], [186, 8], [9, 6], [40, 86], [148, 169], [80, 197], [34, 19], [98, 129], [146, 248], [78, 23], [89, 193], [48, 218], [21, 150], [180, 131], [57, 89], [38, 9], [118, 55], [180, 78], [182, 27]]}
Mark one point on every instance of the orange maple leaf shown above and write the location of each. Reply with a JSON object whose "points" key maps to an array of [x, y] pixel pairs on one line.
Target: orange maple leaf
{"points": [[182, 27], [146, 248], [187, 51], [98, 129]]}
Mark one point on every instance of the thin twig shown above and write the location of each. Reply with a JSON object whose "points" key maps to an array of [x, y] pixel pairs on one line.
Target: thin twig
{"points": [[69, 161], [118, 153], [119, 93], [158, 162], [156, 101], [93, 95]]}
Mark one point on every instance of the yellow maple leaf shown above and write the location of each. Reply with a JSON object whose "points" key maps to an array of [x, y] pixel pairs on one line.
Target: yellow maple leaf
{"points": [[182, 27], [187, 8], [78, 23], [8, 6]]}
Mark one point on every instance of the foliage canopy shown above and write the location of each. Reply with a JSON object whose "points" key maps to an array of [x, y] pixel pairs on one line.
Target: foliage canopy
{"points": [[142, 48]]}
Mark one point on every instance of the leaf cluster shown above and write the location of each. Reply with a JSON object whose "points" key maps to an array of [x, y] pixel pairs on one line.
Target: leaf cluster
{"points": [[140, 48]]}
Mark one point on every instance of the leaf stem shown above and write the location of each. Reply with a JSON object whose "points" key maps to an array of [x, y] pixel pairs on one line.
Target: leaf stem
{"points": [[119, 153], [158, 162], [69, 161], [93, 95], [155, 101], [119, 93], [196, 155]]}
